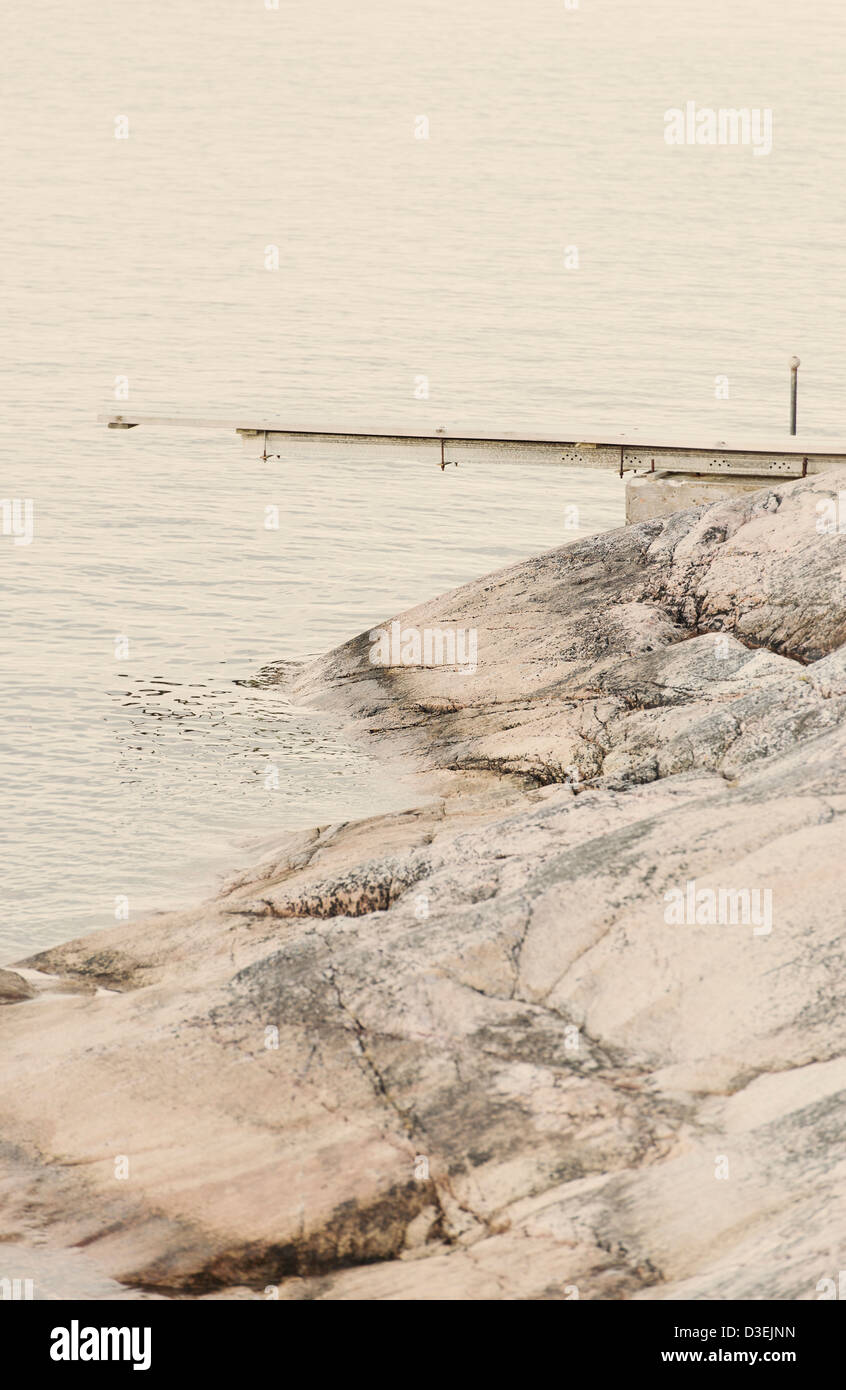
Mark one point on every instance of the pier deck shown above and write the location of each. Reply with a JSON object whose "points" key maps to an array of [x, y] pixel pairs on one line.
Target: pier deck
{"points": [[785, 457]]}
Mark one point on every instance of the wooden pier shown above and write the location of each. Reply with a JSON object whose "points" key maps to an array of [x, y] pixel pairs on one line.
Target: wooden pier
{"points": [[714, 463]]}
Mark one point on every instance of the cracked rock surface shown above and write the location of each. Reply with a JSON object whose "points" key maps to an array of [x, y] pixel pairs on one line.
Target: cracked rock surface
{"points": [[461, 1052]]}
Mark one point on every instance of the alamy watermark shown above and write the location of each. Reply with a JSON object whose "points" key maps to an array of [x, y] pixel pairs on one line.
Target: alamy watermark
{"points": [[710, 907], [827, 1289], [17, 517], [831, 515], [728, 125], [15, 1290], [428, 646], [76, 1343]]}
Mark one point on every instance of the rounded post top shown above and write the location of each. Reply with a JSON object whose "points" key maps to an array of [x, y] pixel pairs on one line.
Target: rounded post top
{"points": [[794, 363]]}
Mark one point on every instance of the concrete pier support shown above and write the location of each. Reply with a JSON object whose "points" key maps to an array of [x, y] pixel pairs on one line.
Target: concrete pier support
{"points": [[659, 494]]}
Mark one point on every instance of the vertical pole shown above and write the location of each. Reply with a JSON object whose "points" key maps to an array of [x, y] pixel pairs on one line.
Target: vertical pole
{"points": [[794, 373]]}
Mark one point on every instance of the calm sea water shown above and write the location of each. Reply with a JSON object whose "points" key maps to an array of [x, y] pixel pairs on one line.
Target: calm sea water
{"points": [[139, 770]]}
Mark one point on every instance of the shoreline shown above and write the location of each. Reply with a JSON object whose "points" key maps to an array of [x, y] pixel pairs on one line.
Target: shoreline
{"points": [[348, 777], [458, 1051]]}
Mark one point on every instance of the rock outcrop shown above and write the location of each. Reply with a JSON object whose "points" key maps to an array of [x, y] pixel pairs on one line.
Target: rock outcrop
{"points": [[14, 988], [573, 1027]]}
